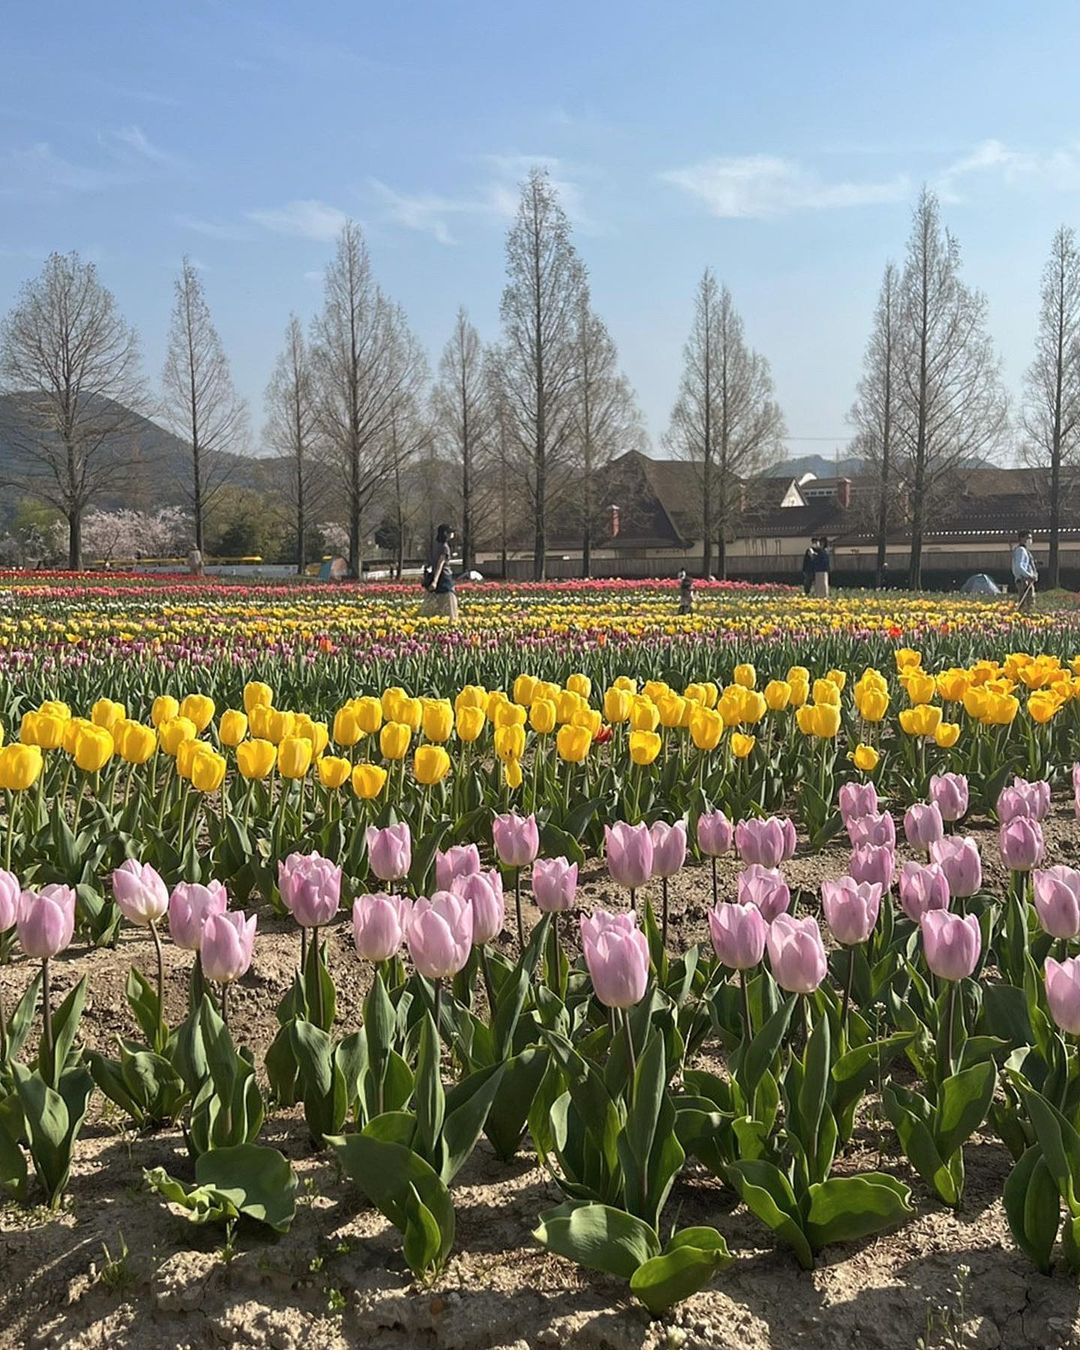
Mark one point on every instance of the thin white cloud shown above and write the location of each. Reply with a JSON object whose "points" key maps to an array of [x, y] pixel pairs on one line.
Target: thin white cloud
{"points": [[761, 186], [38, 172], [213, 229], [133, 141], [307, 219], [1057, 168]]}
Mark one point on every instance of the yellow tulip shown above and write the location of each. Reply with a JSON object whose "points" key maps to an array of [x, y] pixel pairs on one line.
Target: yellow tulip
{"points": [[589, 718], [837, 677], [255, 759], [617, 704], [580, 684], [567, 705], [906, 657], [28, 728], [922, 720], [135, 743], [93, 748], [947, 734], [185, 756], [294, 756], [390, 699], [872, 705], [509, 715], [369, 714], [438, 719], [777, 695], [730, 705], [572, 743], [257, 695], [827, 691], [346, 726], [819, 719], [797, 675], [509, 742], [164, 709], [280, 725], [672, 709], [655, 689], [469, 723], [742, 745], [754, 706], [800, 692], [20, 766], [542, 714], [919, 686], [712, 694], [976, 702], [1002, 710], [368, 780], [495, 700], [696, 693], [333, 771], [411, 712], [50, 730], [259, 720], [629, 685], [706, 728], [1043, 706], [232, 727], [207, 770], [524, 688], [745, 676], [644, 746], [472, 696], [73, 729], [54, 708], [105, 713], [318, 733], [865, 758], [512, 774], [173, 733], [394, 740], [198, 708], [547, 689], [431, 764]]}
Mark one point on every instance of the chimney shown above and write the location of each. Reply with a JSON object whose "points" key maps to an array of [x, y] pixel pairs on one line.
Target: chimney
{"points": [[614, 521], [843, 492]]}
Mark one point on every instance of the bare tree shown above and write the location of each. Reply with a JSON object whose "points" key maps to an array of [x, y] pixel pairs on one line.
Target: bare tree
{"points": [[539, 314], [462, 413], [605, 419], [200, 402], [72, 364], [366, 363], [951, 408], [1051, 412], [874, 410], [291, 431], [725, 418]]}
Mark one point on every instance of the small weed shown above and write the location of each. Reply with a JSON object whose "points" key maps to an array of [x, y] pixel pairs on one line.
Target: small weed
{"points": [[335, 1301], [116, 1270], [945, 1324]]}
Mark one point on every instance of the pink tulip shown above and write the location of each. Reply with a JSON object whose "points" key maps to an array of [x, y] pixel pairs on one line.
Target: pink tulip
{"points": [[310, 887], [517, 839], [1063, 993], [765, 889], [440, 934], [851, 909], [389, 851], [1057, 901], [554, 884], [669, 847], [765, 842], [141, 894], [796, 954], [617, 956], [738, 935], [923, 887], [190, 905], [1021, 842], [949, 793], [857, 800], [1076, 778], [715, 833], [876, 865], [959, 860], [484, 892], [45, 922], [629, 850], [10, 891], [951, 943], [379, 923], [922, 825], [1023, 799], [226, 946], [462, 860], [877, 830]]}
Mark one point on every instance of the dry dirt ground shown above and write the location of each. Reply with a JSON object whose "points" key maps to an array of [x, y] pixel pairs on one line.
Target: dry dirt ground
{"points": [[337, 1279]]}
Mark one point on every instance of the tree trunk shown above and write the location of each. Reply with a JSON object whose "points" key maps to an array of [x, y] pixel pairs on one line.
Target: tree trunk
{"points": [[196, 496], [1053, 568], [75, 540], [355, 561]]}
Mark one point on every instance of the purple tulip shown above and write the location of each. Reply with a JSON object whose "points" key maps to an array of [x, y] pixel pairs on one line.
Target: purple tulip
{"points": [[629, 850], [389, 851], [922, 825], [874, 864], [45, 922], [1021, 842], [141, 894], [10, 891], [554, 884], [715, 833], [1063, 993], [462, 860], [440, 934], [1023, 799], [517, 839], [959, 860], [851, 909], [796, 954], [951, 943], [617, 956], [857, 800], [923, 887], [738, 935], [669, 848], [379, 923], [949, 793], [226, 946], [877, 830], [765, 889], [1057, 901], [765, 842], [190, 905], [484, 892], [310, 887]]}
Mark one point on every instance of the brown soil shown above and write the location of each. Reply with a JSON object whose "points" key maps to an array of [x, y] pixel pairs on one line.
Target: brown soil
{"points": [[337, 1278]]}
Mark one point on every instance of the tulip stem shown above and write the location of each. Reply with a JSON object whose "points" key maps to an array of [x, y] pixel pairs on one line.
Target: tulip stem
{"points": [[517, 907], [438, 1008], [950, 1029], [10, 829], [630, 1056], [160, 980], [225, 1006], [748, 1029], [633, 900], [715, 884], [664, 914], [848, 980], [303, 951], [46, 1015], [485, 970], [318, 979]]}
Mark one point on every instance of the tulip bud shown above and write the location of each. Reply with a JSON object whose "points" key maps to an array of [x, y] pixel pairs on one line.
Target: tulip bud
{"points": [[379, 923], [190, 905], [796, 954], [10, 893], [738, 935], [554, 884], [1063, 993], [45, 922], [923, 825], [959, 860], [461, 860], [226, 945], [923, 887], [876, 829], [765, 889], [851, 909], [669, 848], [629, 852], [949, 792], [516, 839], [368, 780], [389, 851], [857, 800], [715, 833], [141, 894], [1021, 843], [440, 934], [951, 943], [617, 957], [874, 864], [1057, 901], [310, 887], [766, 842], [484, 892]]}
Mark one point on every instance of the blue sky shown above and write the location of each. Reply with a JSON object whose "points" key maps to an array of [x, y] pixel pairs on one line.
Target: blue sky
{"points": [[782, 144]]}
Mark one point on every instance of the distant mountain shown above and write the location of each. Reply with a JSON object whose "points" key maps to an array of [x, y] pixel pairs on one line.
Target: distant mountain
{"points": [[819, 466]]}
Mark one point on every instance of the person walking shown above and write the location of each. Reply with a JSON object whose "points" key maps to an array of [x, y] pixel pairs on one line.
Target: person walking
{"points": [[438, 579], [1025, 572], [686, 592], [808, 559], [822, 563]]}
